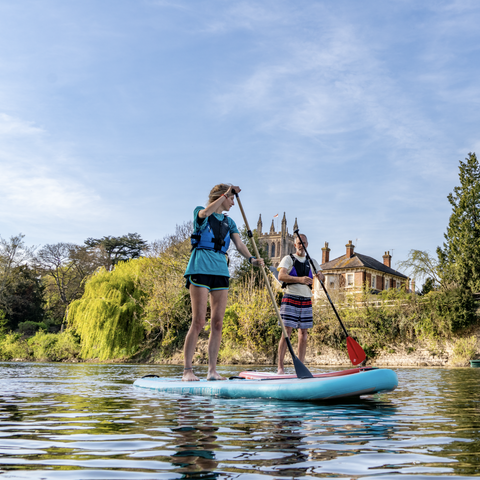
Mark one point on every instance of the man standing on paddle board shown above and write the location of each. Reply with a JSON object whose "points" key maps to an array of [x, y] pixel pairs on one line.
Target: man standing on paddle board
{"points": [[207, 273], [296, 310]]}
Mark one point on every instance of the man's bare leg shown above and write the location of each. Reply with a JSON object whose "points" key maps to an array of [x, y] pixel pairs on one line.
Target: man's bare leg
{"points": [[302, 343], [282, 349]]}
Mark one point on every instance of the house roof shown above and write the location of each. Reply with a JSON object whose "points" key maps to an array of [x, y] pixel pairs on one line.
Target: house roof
{"points": [[359, 261]]}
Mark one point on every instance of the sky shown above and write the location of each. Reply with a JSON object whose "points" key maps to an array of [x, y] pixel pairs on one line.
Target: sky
{"points": [[119, 116]]}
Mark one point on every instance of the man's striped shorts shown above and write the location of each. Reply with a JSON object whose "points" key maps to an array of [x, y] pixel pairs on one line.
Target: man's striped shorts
{"points": [[296, 311]]}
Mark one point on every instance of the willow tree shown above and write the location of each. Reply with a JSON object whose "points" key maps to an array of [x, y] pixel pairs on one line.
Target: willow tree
{"points": [[108, 316]]}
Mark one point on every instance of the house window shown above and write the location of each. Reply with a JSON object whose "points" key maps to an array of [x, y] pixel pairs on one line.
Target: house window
{"points": [[330, 281], [398, 285], [374, 281], [350, 280], [386, 284]]}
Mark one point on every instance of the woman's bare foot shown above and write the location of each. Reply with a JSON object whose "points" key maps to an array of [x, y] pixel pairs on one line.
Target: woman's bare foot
{"points": [[189, 376], [281, 371], [215, 376]]}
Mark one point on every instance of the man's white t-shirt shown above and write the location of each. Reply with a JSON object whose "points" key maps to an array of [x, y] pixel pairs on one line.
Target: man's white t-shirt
{"points": [[297, 288]]}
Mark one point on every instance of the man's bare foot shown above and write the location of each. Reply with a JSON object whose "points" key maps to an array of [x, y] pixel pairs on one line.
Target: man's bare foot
{"points": [[189, 376], [281, 371], [215, 376]]}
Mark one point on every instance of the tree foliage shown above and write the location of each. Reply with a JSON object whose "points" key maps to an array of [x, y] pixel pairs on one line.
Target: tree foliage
{"points": [[20, 290], [242, 269], [167, 307], [118, 249], [251, 322], [108, 316], [25, 297], [460, 256]]}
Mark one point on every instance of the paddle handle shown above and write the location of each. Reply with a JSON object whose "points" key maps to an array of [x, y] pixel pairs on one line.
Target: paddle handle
{"points": [[323, 286]]}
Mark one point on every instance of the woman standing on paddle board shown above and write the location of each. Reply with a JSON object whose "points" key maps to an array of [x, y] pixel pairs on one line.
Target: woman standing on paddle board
{"points": [[207, 273]]}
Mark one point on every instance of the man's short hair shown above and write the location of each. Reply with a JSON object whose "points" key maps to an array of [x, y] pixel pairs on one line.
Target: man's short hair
{"points": [[305, 239]]}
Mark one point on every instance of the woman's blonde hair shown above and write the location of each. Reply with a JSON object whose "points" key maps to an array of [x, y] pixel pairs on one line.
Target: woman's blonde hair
{"points": [[217, 191]]}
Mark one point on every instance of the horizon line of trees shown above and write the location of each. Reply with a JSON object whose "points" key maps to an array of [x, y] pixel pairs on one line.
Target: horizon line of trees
{"points": [[142, 302], [37, 285]]}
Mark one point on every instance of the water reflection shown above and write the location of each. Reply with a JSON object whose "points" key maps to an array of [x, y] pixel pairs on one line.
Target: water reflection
{"points": [[196, 439], [88, 421]]}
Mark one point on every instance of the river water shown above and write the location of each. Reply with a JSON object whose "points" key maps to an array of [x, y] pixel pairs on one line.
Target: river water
{"points": [[86, 421]]}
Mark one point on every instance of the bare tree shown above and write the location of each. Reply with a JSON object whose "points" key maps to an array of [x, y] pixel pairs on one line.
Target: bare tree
{"points": [[13, 253], [421, 265], [67, 265]]}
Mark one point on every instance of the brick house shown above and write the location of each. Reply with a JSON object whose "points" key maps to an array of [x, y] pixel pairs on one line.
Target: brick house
{"points": [[354, 270]]}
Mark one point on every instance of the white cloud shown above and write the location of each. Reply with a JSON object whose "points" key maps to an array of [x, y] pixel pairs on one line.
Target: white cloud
{"points": [[36, 181], [10, 126], [246, 15]]}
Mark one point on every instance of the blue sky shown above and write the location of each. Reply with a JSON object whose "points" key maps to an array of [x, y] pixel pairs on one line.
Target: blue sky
{"points": [[118, 116]]}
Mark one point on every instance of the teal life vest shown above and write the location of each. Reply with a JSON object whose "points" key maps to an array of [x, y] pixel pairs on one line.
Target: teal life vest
{"points": [[215, 236]]}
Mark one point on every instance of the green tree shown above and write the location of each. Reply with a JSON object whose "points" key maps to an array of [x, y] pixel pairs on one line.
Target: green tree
{"points": [[118, 249], [428, 286], [13, 254], [242, 270], [26, 297], [459, 258]]}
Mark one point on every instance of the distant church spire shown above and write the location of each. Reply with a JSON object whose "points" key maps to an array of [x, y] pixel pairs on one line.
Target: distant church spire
{"points": [[295, 225], [284, 225], [272, 228], [259, 225]]}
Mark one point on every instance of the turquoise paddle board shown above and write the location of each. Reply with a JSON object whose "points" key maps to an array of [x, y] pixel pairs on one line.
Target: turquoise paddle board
{"points": [[365, 382]]}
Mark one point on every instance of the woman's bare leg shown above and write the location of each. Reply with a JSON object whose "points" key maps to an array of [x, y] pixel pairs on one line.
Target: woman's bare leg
{"points": [[199, 297], [218, 303]]}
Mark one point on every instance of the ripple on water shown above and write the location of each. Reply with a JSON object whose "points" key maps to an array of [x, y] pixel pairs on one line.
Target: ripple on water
{"points": [[88, 421]]}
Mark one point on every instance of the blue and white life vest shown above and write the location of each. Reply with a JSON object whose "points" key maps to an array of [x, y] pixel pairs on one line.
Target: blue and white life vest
{"points": [[215, 236]]}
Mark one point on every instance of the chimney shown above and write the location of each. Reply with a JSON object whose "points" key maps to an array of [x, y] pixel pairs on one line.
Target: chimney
{"points": [[325, 253], [387, 260], [350, 248]]}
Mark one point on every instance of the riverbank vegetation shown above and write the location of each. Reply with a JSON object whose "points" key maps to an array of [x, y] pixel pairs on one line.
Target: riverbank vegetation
{"points": [[119, 299]]}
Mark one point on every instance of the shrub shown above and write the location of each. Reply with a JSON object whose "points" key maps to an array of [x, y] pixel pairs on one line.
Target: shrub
{"points": [[12, 347], [464, 350], [29, 327], [54, 347], [250, 321]]}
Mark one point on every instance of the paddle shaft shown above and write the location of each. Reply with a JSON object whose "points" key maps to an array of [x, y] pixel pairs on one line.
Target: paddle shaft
{"points": [[323, 286], [300, 369], [270, 291]]}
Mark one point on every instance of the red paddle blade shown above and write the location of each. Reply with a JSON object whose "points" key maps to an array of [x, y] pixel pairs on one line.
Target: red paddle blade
{"points": [[355, 351]]}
